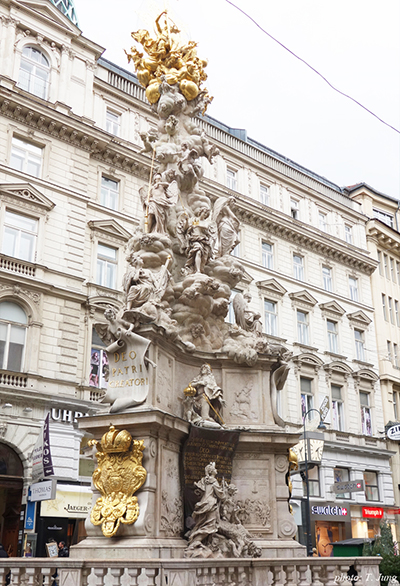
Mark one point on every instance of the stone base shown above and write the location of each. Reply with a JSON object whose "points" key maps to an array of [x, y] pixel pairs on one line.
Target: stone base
{"points": [[101, 548], [172, 548]]}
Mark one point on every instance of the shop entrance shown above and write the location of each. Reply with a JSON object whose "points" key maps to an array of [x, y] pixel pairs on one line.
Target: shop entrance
{"points": [[11, 483]]}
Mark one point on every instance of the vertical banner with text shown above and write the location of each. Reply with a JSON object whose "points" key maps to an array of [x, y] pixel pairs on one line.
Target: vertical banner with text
{"points": [[42, 464], [202, 447]]}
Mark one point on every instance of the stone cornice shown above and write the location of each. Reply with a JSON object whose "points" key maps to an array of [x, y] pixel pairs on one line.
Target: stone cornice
{"points": [[273, 222], [384, 237], [38, 115]]}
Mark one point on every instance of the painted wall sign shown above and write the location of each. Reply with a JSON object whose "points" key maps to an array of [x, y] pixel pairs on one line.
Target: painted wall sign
{"points": [[393, 432], [372, 512]]}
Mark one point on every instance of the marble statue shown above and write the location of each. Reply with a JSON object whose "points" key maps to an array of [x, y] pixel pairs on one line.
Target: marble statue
{"points": [[245, 318], [218, 531], [227, 226], [197, 235], [163, 194], [144, 290], [204, 400]]}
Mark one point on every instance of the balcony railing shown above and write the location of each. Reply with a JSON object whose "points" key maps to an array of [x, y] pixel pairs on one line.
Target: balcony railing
{"points": [[194, 572], [21, 267]]}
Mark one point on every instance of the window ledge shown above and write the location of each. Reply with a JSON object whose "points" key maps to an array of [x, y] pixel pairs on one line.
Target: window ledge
{"points": [[334, 355], [305, 347], [363, 363]]}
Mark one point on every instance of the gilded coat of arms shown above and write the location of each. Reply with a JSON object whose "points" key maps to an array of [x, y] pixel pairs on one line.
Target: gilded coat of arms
{"points": [[119, 474]]}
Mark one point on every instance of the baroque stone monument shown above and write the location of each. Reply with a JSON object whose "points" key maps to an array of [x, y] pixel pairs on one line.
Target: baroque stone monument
{"points": [[176, 367]]}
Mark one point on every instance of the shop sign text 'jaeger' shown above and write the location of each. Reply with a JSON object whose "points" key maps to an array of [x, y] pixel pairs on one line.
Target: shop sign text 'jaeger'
{"points": [[128, 378]]}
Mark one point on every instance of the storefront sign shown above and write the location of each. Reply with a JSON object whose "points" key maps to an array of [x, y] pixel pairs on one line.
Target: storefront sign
{"points": [[324, 408], [42, 464], [393, 432], [372, 512], [43, 491], [73, 502], [348, 486], [67, 416], [329, 510]]}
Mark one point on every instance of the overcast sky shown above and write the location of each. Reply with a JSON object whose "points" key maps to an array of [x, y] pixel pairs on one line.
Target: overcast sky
{"points": [[259, 86]]}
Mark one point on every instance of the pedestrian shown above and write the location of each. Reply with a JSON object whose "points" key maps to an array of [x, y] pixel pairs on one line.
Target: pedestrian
{"points": [[4, 554], [63, 551]]}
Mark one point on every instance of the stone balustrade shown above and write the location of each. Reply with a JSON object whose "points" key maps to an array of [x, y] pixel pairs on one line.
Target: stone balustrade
{"points": [[193, 572]]}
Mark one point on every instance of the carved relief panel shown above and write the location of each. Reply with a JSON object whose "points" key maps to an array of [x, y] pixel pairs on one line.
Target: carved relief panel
{"points": [[254, 480], [171, 502], [242, 393]]}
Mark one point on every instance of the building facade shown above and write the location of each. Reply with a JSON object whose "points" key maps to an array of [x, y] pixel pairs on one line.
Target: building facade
{"points": [[71, 166]]}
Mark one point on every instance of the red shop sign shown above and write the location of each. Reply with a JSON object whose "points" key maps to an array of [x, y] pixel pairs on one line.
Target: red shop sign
{"points": [[372, 512]]}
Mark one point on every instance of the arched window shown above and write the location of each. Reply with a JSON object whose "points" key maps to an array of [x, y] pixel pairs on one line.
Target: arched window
{"points": [[13, 325], [34, 72]]}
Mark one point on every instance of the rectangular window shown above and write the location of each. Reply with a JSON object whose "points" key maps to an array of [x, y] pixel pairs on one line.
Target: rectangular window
{"points": [[332, 336], [264, 194], [366, 423], [313, 482], [395, 355], [113, 122], [371, 486], [386, 265], [26, 157], [322, 222], [342, 475], [359, 340], [271, 318], [396, 310], [337, 408], [353, 285], [383, 217], [109, 193], [306, 397], [19, 236], [398, 272], [348, 232], [302, 327], [327, 278], [294, 209], [98, 362], [395, 404], [106, 266], [298, 267], [231, 179], [267, 255], [391, 315], [389, 350], [384, 307], [380, 263], [392, 273]]}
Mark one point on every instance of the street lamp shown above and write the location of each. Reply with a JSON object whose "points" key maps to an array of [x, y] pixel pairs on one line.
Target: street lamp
{"points": [[313, 446]]}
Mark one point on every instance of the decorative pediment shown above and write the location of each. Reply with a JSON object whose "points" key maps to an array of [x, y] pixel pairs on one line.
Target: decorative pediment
{"points": [[110, 228], [306, 358], [366, 375], [303, 299], [246, 279], [48, 10], [332, 308], [338, 367], [271, 288], [359, 318], [24, 194]]}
